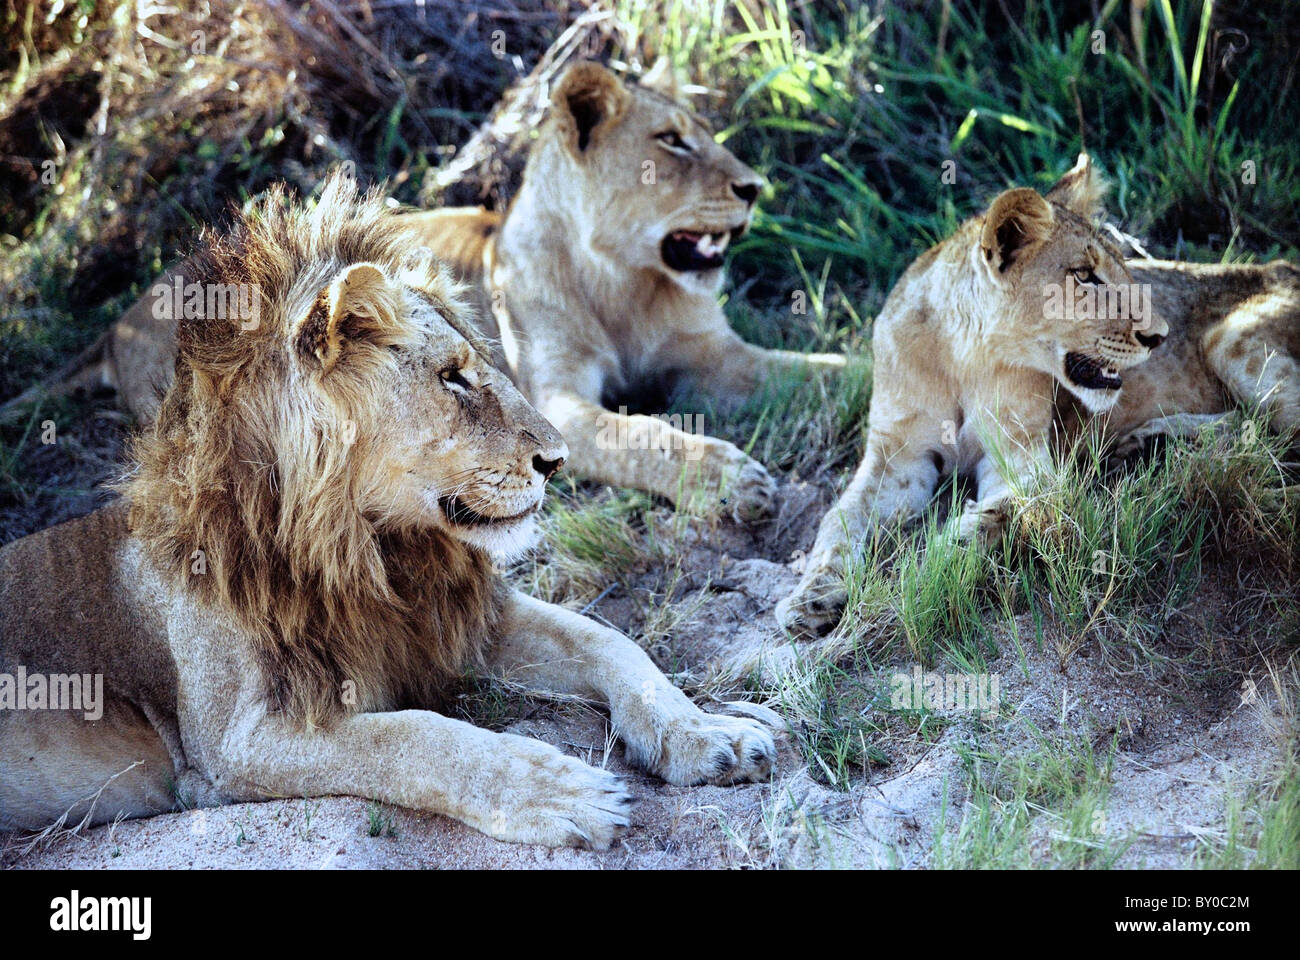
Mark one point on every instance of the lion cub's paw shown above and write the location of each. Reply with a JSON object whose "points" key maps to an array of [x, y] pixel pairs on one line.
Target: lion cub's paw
{"points": [[818, 603], [710, 748], [557, 800], [752, 493], [982, 523]]}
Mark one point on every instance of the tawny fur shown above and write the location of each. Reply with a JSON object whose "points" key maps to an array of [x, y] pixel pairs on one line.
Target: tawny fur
{"points": [[325, 598], [299, 565], [971, 372], [573, 286]]}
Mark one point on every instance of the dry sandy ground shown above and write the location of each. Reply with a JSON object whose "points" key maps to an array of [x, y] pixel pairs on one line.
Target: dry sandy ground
{"points": [[1180, 753]]}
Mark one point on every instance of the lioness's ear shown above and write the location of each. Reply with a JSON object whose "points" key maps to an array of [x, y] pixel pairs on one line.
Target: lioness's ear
{"points": [[359, 299], [662, 79], [1081, 189], [1018, 220], [587, 99]]}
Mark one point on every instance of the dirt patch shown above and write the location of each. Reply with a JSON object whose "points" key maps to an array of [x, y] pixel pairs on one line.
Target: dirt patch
{"points": [[1180, 748]]}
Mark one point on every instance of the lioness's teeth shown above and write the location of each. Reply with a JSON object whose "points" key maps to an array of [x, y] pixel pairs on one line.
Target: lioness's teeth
{"points": [[709, 247]]}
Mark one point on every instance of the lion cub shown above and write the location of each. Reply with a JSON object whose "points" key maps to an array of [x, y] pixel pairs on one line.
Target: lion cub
{"points": [[1024, 305]]}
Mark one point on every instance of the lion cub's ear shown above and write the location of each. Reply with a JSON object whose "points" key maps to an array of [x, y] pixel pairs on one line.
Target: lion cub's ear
{"points": [[358, 300], [1017, 222], [587, 100], [1081, 190]]}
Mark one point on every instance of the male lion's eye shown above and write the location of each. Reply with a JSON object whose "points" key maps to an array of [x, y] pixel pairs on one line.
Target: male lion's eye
{"points": [[454, 378], [1085, 275], [673, 140]]}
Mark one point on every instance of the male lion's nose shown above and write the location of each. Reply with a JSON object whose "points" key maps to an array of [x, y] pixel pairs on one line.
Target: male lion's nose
{"points": [[545, 467], [746, 190], [1150, 340]]}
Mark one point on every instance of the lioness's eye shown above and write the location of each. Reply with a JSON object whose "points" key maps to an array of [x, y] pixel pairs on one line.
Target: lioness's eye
{"points": [[454, 378], [1085, 275], [673, 140]]}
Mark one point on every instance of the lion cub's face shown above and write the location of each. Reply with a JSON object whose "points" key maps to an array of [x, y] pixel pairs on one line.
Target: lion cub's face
{"points": [[647, 183], [1062, 292], [437, 435]]}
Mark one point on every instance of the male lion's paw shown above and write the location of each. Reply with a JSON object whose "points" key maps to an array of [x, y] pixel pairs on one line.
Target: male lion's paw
{"points": [[557, 800], [752, 493], [818, 603], [710, 748]]}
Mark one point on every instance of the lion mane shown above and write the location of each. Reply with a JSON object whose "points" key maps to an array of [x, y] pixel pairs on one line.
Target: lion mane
{"points": [[244, 492]]}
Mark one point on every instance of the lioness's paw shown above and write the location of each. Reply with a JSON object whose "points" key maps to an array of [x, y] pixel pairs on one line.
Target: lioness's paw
{"points": [[751, 495], [818, 603], [557, 800], [708, 748]]}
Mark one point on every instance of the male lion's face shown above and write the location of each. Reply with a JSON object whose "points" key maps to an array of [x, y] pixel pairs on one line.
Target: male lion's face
{"points": [[439, 436], [1066, 296], [654, 190]]}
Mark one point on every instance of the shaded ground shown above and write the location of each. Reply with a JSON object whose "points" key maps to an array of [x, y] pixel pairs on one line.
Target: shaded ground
{"points": [[1181, 748]]}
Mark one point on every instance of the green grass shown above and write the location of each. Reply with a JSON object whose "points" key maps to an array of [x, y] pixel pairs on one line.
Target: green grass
{"points": [[1262, 819], [1041, 806], [854, 124], [379, 821], [879, 131]]}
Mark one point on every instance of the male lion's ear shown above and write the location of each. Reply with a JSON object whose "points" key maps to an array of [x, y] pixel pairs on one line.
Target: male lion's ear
{"points": [[1018, 220], [1082, 189], [588, 97], [662, 79], [358, 300]]}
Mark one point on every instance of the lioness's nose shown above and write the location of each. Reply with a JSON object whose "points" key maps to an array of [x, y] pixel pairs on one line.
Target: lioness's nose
{"points": [[747, 190], [1151, 340]]}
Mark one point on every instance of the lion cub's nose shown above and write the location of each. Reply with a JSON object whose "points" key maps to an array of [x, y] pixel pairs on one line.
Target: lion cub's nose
{"points": [[1151, 340], [545, 467]]}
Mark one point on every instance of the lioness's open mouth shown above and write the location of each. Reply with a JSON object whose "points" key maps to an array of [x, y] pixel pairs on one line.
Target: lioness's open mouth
{"points": [[461, 515], [687, 250], [1089, 372]]}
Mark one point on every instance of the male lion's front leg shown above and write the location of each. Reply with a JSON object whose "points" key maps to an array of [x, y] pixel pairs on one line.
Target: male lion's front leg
{"points": [[647, 453], [549, 648], [509, 787]]}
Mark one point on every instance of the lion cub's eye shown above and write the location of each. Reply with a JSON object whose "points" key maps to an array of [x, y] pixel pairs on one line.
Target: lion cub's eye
{"points": [[673, 141], [1085, 275], [453, 378]]}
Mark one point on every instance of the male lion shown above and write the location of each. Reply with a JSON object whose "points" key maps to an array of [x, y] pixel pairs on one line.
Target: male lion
{"points": [[299, 566], [973, 352], [600, 283]]}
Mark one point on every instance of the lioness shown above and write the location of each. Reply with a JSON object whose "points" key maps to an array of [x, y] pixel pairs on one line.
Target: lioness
{"points": [[976, 345], [300, 564], [600, 283], [603, 279]]}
